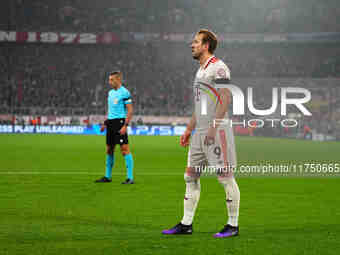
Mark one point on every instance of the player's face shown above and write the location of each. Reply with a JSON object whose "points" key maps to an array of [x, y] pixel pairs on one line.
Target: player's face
{"points": [[197, 48], [114, 80]]}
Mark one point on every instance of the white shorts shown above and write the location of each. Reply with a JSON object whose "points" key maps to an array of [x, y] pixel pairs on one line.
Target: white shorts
{"points": [[220, 155]]}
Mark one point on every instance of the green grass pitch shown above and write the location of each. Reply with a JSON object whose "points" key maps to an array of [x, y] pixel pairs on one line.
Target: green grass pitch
{"points": [[50, 205]]}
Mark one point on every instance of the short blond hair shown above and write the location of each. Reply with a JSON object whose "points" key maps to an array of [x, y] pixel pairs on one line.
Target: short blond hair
{"points": [[210, 38]]}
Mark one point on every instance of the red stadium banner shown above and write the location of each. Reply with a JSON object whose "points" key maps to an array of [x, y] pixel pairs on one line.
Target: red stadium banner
{"points": [[58, 37], [111, 38]]}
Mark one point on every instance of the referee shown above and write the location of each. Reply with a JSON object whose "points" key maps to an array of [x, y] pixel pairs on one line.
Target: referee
{"points": [[119, 116]]}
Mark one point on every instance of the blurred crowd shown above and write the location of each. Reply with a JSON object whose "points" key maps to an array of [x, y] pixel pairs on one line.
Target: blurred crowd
{"points": [[50, 76], [56, 79], [159, 76], [256, 16]]}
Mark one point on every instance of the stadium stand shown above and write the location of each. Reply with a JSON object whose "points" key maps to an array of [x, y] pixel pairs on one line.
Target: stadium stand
{"points": [[62, 76], [175, 16], [71, 79]]}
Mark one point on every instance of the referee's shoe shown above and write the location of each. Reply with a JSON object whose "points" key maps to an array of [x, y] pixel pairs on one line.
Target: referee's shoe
{"points": [[128, 181], [103, 179]]}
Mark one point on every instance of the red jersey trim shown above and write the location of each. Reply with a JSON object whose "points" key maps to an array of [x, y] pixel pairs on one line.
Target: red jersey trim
{"points": [[211, 60]]}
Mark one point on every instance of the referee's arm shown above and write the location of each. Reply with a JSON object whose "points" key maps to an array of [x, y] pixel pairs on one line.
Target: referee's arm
{"points": [[129, 109], [128, 118]]}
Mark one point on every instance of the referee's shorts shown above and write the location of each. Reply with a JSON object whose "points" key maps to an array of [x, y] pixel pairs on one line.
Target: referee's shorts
{"points": [[113, 136]]}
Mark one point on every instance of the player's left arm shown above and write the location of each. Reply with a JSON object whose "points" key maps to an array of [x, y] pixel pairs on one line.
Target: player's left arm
{"points": [[221, 110], [222, 106]]}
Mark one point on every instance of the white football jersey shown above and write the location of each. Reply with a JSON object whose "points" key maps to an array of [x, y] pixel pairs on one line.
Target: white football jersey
{"points": [[206, 95]]}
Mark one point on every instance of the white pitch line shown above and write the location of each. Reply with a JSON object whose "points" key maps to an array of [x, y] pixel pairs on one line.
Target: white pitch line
{"points": [[162, 172], [75, 173]]}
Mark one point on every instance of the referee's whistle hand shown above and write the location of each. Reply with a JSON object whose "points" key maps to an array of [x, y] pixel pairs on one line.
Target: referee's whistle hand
{"points": [[122, 131], [102, 128]]}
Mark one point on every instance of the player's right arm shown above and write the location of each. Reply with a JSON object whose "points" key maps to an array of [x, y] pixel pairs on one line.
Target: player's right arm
{"points": [[185, 138]]}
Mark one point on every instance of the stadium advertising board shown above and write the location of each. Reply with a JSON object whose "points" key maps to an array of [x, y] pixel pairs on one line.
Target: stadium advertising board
{"points": [[58, 37], [110, 37], [90, 130]]}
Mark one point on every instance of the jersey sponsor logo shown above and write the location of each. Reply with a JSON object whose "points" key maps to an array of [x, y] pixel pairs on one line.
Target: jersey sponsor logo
{"points": [[208, 91], [115, 100]]}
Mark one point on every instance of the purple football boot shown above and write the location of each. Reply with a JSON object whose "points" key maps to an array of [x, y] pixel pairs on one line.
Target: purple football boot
{"points": [[179, 229], [227, 231]]}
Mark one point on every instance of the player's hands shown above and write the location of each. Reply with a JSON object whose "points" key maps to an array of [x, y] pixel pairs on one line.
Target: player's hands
{"points": [[122, 131], [210, 137], [102, 128], [185, 138]]}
